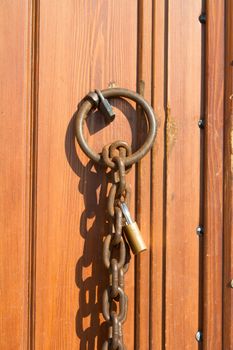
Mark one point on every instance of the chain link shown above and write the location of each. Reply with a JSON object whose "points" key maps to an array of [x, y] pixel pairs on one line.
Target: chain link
{"points": [[116, 253]]}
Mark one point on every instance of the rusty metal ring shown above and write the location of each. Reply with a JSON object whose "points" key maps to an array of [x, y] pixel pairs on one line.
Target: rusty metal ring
{"points": [[117, 227], [108, 152], [121, 185], [107, 252], [87, 105], [123, 305], [112, 203], [115, 278], [120, 145]]}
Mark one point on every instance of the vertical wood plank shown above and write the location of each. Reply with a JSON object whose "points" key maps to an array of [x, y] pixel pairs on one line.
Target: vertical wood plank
{"points": [[33, 169], [228, 184], [213, 198], [15, 80], [83, 45], [158, 182], [143, 194], [183, 161]]}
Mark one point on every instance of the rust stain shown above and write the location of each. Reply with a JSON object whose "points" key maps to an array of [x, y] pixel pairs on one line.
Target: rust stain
{"points": [[141, 87], [112, 84], [171, 131]]}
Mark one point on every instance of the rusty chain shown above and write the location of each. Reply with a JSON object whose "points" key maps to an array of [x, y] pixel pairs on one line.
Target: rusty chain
{"points": [[116, 253], [119, 158]]}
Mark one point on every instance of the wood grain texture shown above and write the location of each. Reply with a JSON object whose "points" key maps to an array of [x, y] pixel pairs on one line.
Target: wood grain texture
{"points": [[33, 170], [53, 199], [214, 168], [158, 190], [182, 172], [15, 80], [143, 189], [228, 184], [212, 320], [83, 45]]}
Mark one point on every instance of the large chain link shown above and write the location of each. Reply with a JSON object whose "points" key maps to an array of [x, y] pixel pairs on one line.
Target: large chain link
{"points": [[116, 254]]}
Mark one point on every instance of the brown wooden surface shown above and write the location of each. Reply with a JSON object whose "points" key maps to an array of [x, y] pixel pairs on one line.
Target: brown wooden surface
{"points": [[83, 46], [53, 199], [143, 197], [15, 51], [213, 199], [228, 185], [182, 174], [157, 284]]}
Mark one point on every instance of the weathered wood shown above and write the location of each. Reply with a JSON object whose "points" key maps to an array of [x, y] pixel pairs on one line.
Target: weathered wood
{"points": [[228, 184], [182, 174], [15, 79], [33, 171], [213, 197], [53, 199], [157, 277], [83, 46], [143, 189]]}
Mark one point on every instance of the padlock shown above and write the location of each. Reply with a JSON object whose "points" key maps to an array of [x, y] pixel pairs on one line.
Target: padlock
{"points": [[132, 232]]}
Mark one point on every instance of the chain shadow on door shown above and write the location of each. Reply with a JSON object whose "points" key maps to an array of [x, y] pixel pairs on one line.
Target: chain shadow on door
{"points": [[90, 327]]}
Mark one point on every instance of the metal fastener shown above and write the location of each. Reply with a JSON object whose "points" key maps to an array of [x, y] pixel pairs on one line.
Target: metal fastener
{"points": [[199, 336], [231, 283], [202, 18], [201, 123], [200, 230], [105, 107]]}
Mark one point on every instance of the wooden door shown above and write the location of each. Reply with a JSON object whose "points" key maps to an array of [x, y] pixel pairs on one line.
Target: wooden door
{"points": [[53, 198]]}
